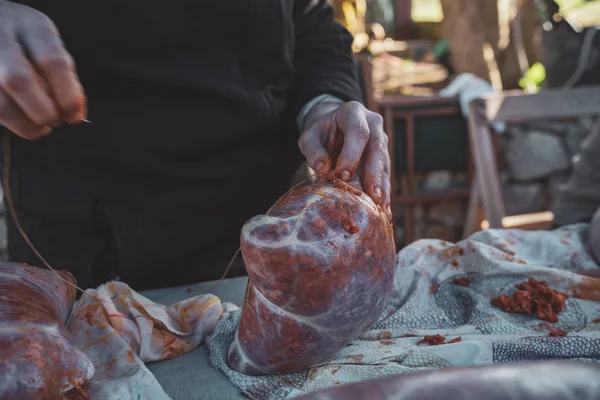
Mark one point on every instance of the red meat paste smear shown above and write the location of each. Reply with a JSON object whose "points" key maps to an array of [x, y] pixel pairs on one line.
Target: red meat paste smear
{"points": [[349, 226], [533, 297], [557, 333], [435, 340], [462, 281], [340, 184]]}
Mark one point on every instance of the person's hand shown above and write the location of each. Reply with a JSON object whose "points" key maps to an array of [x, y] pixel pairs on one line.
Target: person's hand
{"points": [[39, 88], [348, 139]]}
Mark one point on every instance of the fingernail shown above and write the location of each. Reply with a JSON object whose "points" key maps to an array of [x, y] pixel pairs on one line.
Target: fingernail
{"points": [[346, 175], [377, 191], [389, 210], [74, 119], [77, 117]]}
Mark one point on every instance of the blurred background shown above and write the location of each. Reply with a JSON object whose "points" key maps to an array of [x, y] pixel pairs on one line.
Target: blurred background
{"points": [[422, 62], [493, 39]]}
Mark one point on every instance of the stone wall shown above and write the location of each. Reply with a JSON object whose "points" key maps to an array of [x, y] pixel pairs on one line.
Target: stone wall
{"points": [[536, 161]]}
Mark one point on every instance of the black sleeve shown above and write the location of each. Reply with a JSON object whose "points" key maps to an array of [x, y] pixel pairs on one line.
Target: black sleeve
{"points": [[323, 56]]}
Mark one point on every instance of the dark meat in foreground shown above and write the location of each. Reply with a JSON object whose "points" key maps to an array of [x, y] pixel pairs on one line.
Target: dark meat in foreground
{"points": [[546, 380]]}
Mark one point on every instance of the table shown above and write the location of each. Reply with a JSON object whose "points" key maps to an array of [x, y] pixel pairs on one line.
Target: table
{"points": [[191, 376]]}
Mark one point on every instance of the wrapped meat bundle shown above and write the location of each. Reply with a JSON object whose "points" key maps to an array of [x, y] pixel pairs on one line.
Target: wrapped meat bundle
{"points": [[320, 266], [37, 358]]}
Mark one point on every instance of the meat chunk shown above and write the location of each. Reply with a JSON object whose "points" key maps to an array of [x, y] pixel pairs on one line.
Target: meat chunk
{"points": [[38, 360], [533, 297]]}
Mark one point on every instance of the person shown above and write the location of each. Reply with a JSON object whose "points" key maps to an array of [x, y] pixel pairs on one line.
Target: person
{"points": [[200, 114], [578, 199]]}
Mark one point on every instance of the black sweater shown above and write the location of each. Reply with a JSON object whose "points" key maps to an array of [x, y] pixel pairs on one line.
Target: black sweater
{"points": [[184, 95], [214, 74]]}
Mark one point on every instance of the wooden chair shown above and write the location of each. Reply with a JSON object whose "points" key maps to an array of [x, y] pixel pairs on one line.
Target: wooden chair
{"points": [[408, 146], [486, 206], [426, 133]]}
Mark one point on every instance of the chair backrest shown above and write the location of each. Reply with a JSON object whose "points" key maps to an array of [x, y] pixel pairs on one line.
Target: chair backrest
{"points": [[514, 107]]}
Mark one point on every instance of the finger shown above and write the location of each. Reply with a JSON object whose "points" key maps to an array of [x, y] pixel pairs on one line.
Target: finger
{"points": [[56, 66], [373, 173], [313, 149], [16, 121], [352, 121], [386, 192], [377, 182], [386, 179], [335, 141], [360, 172], [19, 80]]}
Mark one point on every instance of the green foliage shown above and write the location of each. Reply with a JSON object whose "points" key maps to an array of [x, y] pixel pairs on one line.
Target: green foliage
{"points": [[533, 79], [566, 5]]}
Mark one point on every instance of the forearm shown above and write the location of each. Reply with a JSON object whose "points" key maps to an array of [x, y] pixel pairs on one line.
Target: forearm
{"points": [[309, 112]]}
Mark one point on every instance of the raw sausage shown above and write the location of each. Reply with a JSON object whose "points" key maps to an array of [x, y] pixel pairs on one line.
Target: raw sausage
{"points": [[38, 361]]}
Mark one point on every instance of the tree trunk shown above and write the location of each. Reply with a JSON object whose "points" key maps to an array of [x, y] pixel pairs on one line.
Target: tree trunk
{"points": [[483, 42]]}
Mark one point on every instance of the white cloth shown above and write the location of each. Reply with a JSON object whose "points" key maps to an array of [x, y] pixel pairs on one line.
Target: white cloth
{"points": [[120, 330], [426, 301], [468, 87]]}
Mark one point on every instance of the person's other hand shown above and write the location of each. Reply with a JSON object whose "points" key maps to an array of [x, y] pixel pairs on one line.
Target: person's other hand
{"points": [[348, 139], [39, 87]]}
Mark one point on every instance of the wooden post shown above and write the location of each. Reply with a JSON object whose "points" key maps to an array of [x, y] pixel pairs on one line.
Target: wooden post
{"points": [[403, 19]]}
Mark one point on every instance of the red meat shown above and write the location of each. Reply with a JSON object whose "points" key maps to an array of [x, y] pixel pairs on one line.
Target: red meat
{"points": [[321, 266], [38, 361]]}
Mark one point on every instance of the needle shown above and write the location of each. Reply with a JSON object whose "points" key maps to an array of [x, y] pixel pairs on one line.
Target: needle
{"points": [[86, 121]]}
